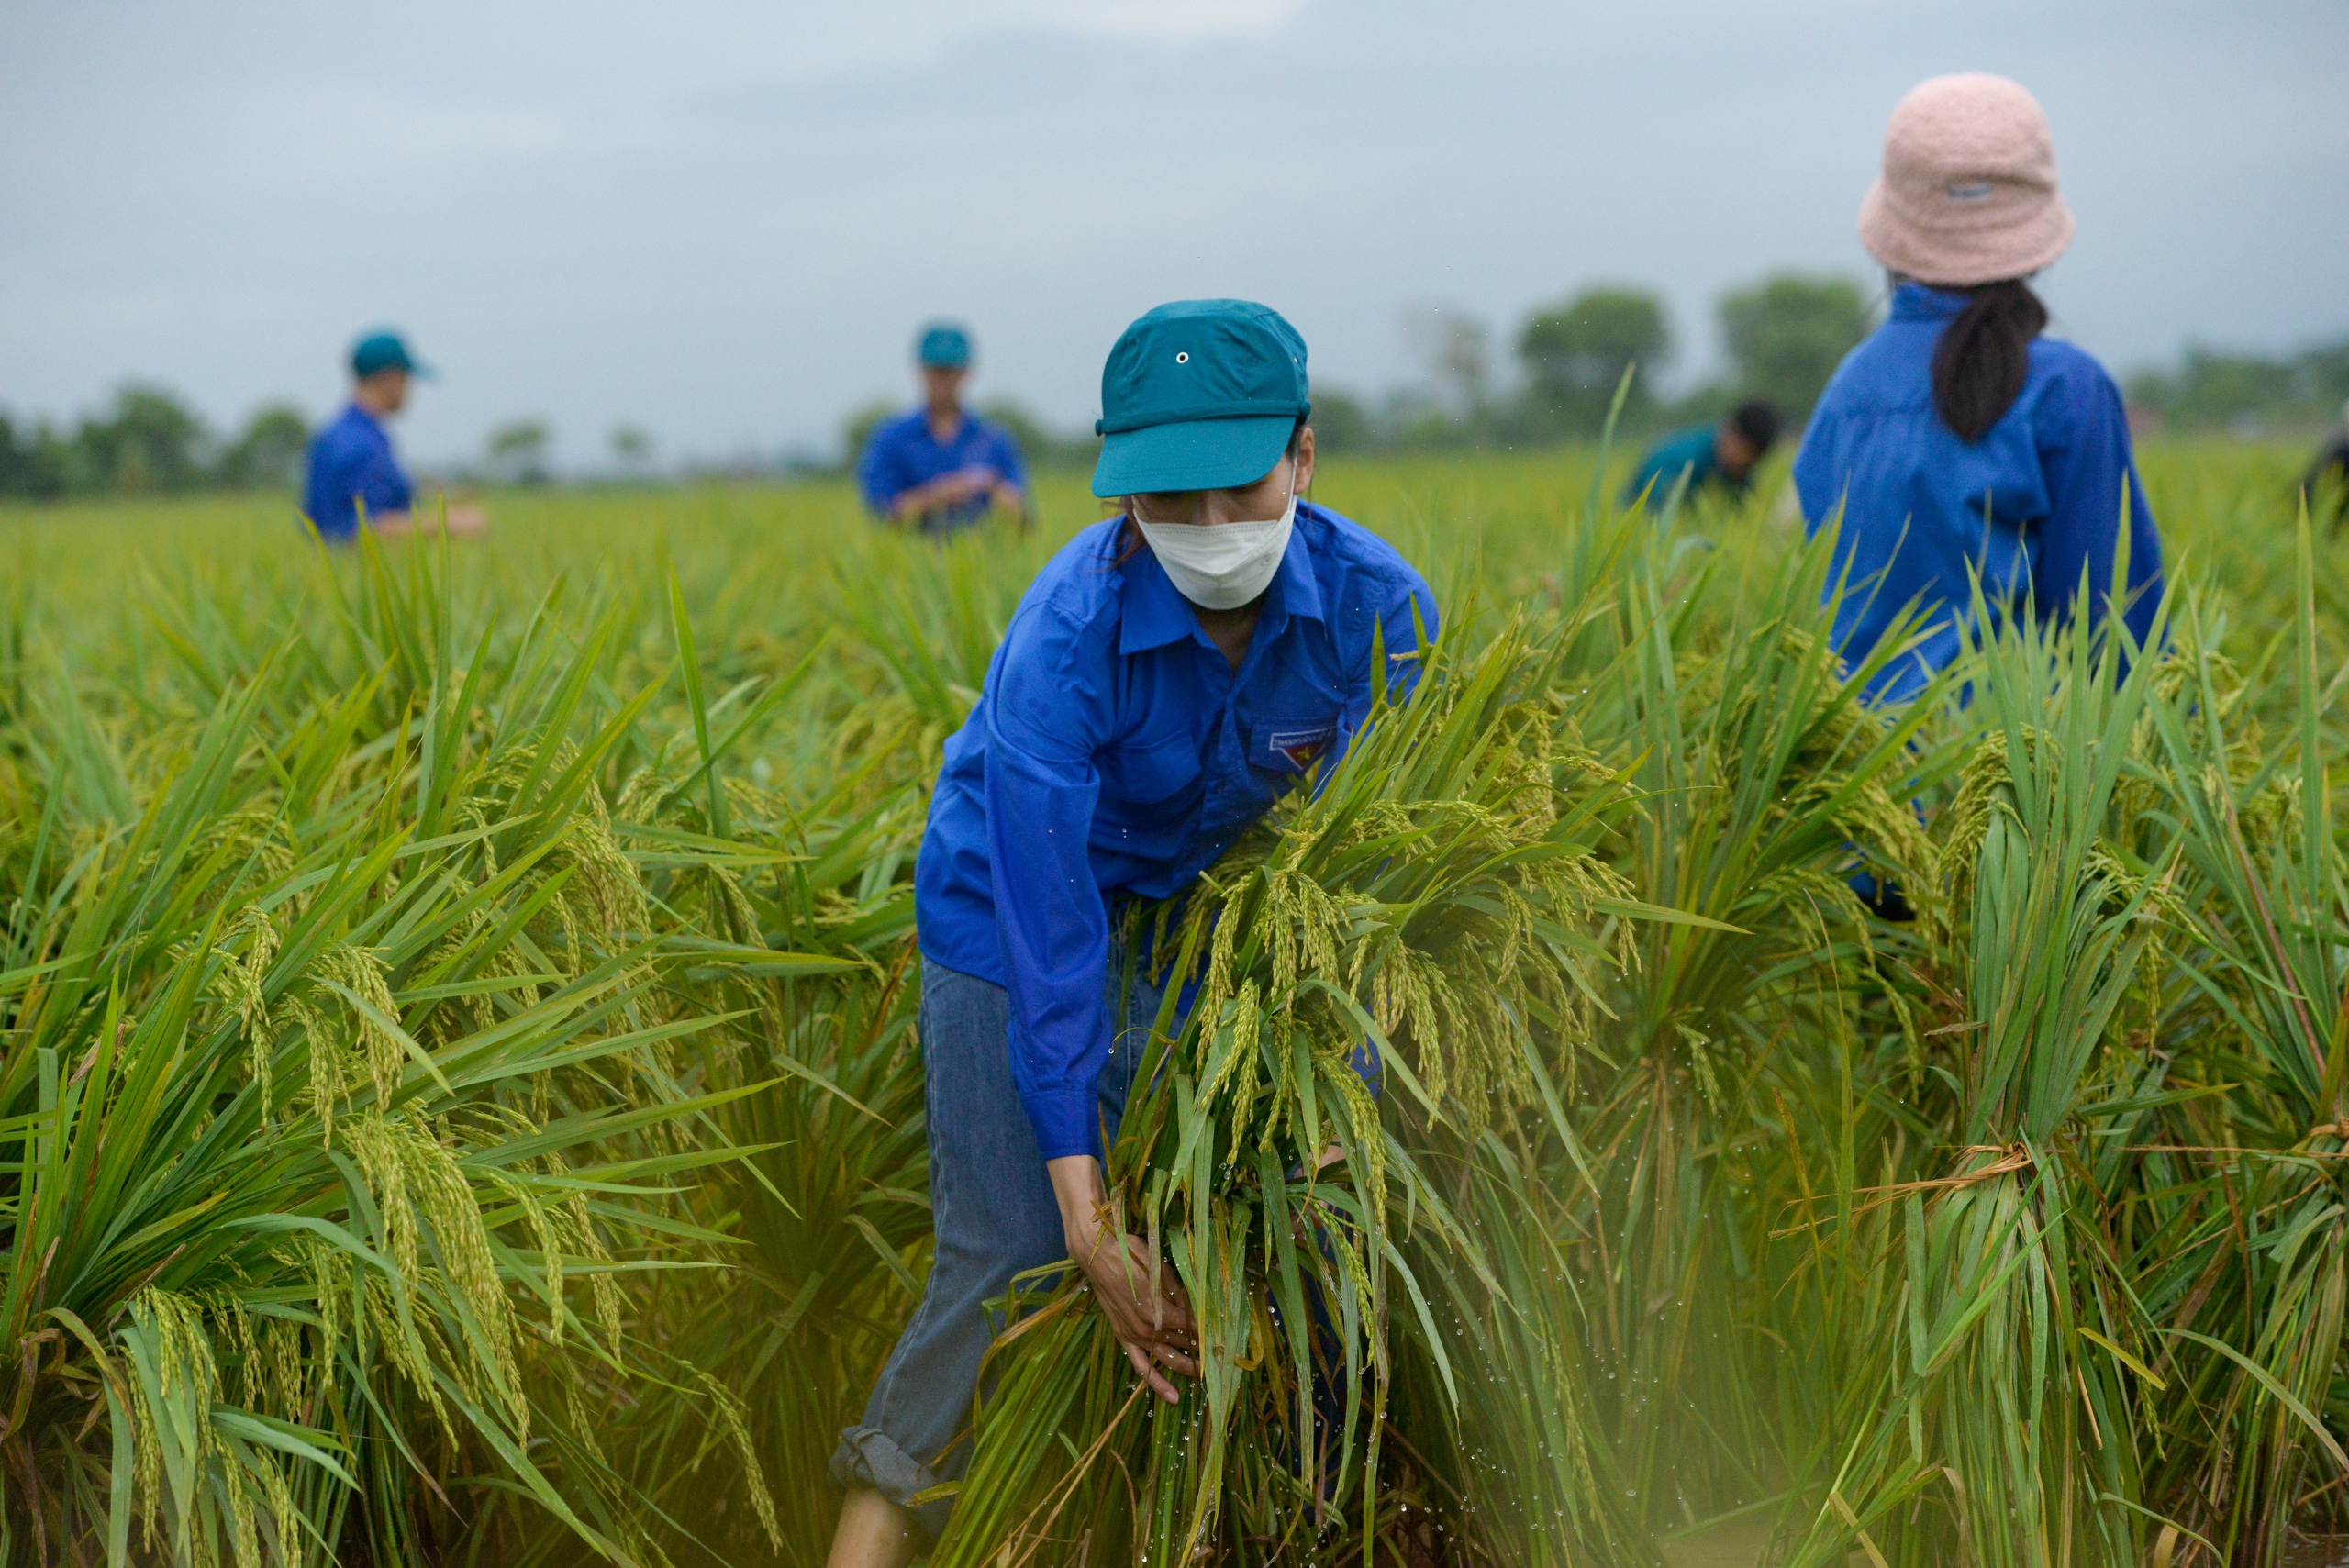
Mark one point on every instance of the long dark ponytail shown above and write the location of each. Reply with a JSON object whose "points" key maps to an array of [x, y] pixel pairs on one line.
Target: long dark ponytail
{"points": [[1983, 356]]}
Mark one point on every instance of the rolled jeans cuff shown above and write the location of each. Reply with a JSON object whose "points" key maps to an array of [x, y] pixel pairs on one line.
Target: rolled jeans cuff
{"points": [[867, 1456]]}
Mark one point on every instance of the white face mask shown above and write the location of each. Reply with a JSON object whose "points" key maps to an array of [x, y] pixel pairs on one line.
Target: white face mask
{"points": [[1221, 566]]}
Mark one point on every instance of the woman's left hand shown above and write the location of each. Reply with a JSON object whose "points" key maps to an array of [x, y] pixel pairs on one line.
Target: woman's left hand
{"points": [[1139, 1294]]}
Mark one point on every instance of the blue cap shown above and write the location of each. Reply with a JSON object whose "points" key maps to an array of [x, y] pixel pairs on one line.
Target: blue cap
{"points": [[383, 352], [1199, 394], [944, 345]]}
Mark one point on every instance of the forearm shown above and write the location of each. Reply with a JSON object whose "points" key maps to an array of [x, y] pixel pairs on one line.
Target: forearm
{"points": [[943, 491], [1082, 1195]]}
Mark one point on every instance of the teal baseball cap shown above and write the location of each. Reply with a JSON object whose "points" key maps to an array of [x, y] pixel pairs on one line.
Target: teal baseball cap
{"points": [[1199, 394], [944, 345], [383, 351]]}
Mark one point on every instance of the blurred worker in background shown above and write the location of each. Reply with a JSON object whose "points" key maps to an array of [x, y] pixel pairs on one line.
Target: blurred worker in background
{"points": [[939, 467], [2328, 476], [1167, 677], [352, 470], [1720, 456], [1956, 441]]}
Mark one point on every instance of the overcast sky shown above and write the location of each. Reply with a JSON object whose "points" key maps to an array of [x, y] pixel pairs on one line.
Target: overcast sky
{"points": [[724, 221]]}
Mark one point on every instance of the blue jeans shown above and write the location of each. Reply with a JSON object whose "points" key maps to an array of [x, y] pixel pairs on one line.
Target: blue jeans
{"points": [[995, 1215]]}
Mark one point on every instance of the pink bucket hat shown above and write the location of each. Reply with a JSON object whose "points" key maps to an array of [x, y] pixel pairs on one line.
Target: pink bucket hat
{"points": [[1968, 192]]}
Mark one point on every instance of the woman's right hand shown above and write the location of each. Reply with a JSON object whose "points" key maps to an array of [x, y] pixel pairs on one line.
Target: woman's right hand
{"points": [[1141, 1296]]}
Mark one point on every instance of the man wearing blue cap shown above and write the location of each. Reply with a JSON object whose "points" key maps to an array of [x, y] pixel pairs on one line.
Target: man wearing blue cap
{"points": [[1168, 674], [939, 467], [352, 472]]}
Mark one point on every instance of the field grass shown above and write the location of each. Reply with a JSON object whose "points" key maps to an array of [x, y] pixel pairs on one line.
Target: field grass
{"points": [[459, 1099]]}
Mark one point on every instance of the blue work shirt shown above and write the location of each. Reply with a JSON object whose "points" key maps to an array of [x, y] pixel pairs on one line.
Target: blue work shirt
{"points": [[1687, 452], [351, 463], [902, 453], [2026, 508], [1114, 751]]}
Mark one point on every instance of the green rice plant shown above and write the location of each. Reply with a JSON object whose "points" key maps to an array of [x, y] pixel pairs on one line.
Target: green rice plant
{"points": [[1739, 1226], [2012, 1357], [823, 1222], [257, 1225], [2241, 1252], [330, 1091], [825, 1227], [1765, 782], [1535, 1479]]}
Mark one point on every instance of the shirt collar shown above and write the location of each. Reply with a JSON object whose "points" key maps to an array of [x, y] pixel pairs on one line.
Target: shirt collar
{"points": [[1923, 302], [1299, 590], [963, 426], [1153, 613]]}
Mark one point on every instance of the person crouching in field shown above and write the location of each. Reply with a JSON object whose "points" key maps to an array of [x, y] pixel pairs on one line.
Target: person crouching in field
{"points": [[2328, 477], [352, 473], [1168, 674], [1719, 457], [939, 467], [1956, 439]]}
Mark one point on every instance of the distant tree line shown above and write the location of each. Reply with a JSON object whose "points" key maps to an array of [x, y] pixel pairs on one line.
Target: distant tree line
{"points": [[150, 443], [2245, 393], [1785, 336]]}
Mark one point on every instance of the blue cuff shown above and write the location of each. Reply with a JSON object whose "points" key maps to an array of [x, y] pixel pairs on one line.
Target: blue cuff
{"points": [[1067, 1121], [1369, 1066]]}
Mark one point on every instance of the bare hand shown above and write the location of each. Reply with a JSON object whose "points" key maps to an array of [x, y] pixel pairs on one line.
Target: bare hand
{"points": [[946, 490], [968, 483], [1141, 1295]]}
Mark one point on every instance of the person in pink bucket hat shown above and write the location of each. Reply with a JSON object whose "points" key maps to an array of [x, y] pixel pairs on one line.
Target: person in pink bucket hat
{"points": [[1956, 441]]}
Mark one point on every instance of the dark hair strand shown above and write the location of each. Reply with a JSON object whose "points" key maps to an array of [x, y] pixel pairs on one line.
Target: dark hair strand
{"points": [[1984, 356]]}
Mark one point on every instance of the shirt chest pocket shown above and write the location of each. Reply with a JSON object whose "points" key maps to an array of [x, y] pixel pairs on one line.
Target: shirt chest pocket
{"points": [[1291, 745], [1147, 770]]}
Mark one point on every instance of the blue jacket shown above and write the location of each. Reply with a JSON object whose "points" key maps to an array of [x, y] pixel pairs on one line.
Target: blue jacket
{"points": [[1688, 451], [350, 464], [901, 453], [1114, 751], [2027, 507]]}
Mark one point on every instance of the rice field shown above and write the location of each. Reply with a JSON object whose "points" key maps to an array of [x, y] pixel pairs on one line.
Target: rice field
{"points": [[460, 1100]]}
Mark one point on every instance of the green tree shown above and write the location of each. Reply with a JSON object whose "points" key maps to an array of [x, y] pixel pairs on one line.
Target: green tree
{"points": [[858, 427], [632, 449], [32, 462], [268, 454], [2213, 388], [1456, 348], [1789, 332], [517, 451], [1039, 443], [1574, 355], [150, 444], [1341, 421]]}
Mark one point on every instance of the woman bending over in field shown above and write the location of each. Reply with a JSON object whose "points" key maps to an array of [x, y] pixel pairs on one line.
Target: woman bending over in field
{"points": [[1956, 441], [1164, 678]]}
